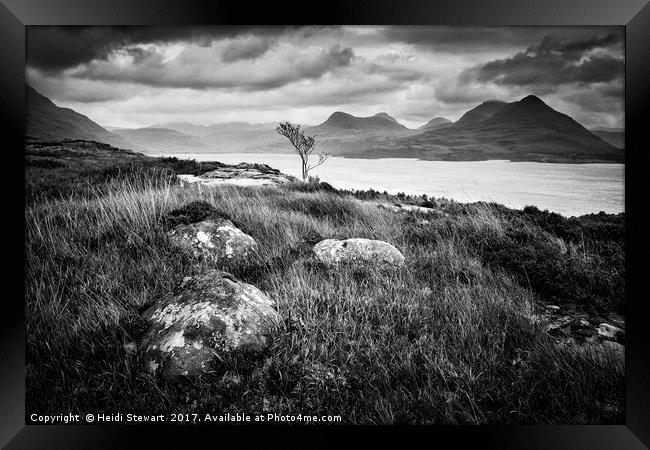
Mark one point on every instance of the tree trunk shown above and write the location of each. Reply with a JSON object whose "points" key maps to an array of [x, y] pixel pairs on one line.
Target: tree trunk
{"points": [[304, 169]]}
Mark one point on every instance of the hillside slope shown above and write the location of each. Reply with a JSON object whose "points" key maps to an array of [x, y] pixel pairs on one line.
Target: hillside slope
{"points": [[46, 121], [435, 124]]}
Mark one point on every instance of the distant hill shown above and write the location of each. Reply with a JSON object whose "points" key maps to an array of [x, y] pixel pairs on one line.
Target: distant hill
{"points": [[615, 136], [230, 137], [343, 133], [46, 121], [205, 130], [435, 124], [531, 127], [344, 122], [161, 139]]}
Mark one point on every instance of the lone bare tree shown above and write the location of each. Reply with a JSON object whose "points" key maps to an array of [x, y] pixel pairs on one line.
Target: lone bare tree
{"points": [[304, 146]]}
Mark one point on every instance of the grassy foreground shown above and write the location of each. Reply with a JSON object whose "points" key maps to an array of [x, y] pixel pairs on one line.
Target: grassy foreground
{"points": [[447, 339]]}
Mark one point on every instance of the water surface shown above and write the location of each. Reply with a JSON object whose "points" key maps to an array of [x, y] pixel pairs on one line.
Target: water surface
{"points": [[569, 189]]}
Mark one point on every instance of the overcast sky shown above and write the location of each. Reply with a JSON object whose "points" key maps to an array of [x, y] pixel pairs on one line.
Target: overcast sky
{"points": [[140, 76]]}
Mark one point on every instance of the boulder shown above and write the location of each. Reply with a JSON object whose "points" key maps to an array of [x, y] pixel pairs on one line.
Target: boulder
{"points": [[331, 252], [208, 233], [207, 316], [216, 240]]}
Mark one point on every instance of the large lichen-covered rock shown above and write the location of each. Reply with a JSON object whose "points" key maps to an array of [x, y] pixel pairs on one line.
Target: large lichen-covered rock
{"points": [[208, 233], [332, 252], [205, 317]]}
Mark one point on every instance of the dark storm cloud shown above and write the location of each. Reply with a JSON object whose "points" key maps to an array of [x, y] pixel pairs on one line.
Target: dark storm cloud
{"points": [[148, 68], [55, 48], [554, 62], [612, 90], [458, 39], [250, 49], [454, 39], [398, 74], [594, 103]]}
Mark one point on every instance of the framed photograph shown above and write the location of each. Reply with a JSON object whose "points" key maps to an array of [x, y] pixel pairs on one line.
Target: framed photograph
{"points": [[380, 215]]}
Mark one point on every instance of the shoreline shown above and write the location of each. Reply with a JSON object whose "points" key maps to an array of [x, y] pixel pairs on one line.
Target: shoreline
{"points": [[362, 157], [567, 189]]}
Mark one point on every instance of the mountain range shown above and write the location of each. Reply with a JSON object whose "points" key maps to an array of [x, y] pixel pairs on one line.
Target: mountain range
{"points": [[525, 130]]}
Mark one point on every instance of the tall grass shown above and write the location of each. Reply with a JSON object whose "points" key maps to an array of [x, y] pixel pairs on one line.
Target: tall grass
{"points": [[449, 338]]}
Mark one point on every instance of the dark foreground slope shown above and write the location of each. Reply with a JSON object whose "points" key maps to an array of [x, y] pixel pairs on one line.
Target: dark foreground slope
{"points": [[450, 338]]}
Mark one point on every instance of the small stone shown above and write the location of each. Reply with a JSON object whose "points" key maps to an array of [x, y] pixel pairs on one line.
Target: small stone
{"points": [[130, 347], [610, 332], [553, 307]]}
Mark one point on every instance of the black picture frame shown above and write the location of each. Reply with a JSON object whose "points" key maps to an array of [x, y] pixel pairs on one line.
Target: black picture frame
{"points": [[633, 14]]}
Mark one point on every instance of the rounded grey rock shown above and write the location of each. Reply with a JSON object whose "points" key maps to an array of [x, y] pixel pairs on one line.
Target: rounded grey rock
{"points": [[333, 252], [217, 240]]}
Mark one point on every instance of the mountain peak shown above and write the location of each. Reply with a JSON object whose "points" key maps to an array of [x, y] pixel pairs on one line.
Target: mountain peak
{"points": [[532, 99], [384, 115]]}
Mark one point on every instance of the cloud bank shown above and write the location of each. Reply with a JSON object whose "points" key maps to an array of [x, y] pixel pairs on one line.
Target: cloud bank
{"points": [[138, 76]]}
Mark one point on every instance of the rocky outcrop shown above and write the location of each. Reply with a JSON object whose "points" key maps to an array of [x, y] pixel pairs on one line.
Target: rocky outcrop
{"points": [[206, 317], [209, 234], [569, 324], [332, 252], [574, 330], [398, 207], [243, 174]]}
